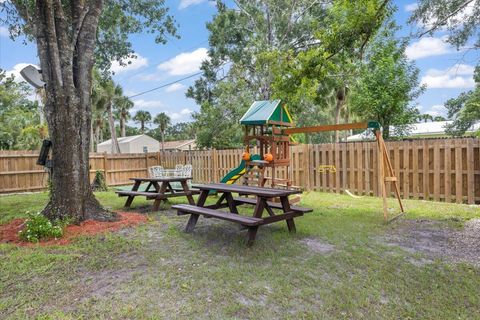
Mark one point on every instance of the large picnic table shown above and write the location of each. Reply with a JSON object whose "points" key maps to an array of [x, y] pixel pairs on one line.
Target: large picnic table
{"points": [[263, 202], [158, 189]]}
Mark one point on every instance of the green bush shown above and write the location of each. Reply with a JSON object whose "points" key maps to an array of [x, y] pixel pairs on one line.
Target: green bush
{"points": [[99, 183], [38, 227]]}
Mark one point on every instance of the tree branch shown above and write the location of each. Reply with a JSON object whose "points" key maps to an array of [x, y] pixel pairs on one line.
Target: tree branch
{"points": [[78, 23], [445, 20], [369, 35], [45, 13]]}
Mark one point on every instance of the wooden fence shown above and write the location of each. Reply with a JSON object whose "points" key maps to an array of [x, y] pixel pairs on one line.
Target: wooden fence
{"points": [[432, 169]]}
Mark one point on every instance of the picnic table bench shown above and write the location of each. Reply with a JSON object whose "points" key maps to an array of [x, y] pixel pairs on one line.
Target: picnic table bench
{"points": [[261, 203], [162, 190]]}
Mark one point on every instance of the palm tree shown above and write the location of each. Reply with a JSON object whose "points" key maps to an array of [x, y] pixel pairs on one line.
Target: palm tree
{"points": [[109, 92], [425, 117], [163, 121], [122, 107], [98, 112], [439, 118], [142, 117]]}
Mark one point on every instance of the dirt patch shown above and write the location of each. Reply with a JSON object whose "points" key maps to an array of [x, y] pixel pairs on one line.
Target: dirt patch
{"points": [[437, 239], [9, 231], [318, 246]]}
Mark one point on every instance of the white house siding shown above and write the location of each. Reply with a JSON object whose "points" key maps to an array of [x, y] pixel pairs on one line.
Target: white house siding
{"points": [[133, 144]]}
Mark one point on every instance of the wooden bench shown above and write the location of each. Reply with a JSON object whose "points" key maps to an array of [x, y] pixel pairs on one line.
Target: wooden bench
{"points": [[273, 205], [154, 194], [250, 222]]}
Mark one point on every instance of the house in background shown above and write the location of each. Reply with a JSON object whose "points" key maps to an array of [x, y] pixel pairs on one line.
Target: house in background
{"points": [[434, 129], [133, 144], [179, 145]]}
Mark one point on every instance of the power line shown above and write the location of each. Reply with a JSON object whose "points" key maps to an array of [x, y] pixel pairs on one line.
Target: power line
{"points": [[173, 82], [165, 85]]}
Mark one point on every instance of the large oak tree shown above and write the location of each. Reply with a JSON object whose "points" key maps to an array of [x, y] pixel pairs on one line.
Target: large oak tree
{"points": [[71, 37]]}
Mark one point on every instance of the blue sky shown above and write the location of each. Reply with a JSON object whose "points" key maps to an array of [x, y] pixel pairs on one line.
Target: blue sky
{"points": [[446, 71]]}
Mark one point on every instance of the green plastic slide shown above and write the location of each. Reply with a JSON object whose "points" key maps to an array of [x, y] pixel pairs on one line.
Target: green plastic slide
{"points": [[239, 171]]}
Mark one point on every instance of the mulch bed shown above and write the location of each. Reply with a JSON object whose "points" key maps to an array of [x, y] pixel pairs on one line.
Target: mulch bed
{"points": [[9, 231]]}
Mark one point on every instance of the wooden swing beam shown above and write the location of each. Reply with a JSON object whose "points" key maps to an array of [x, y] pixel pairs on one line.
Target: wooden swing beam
{"points": [[334, 127], [385, 166]]}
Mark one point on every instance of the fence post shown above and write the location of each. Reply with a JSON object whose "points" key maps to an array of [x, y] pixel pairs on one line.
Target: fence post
{"points": [[213, 155], [146, 163], [306, 167], [470, 172], [105, 171]]}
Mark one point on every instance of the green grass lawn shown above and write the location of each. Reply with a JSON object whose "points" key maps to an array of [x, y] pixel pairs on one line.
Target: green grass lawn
{"points": [[340, 264]]}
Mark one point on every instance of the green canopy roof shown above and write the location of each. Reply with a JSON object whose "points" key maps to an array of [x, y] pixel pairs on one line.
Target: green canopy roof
{"points": [[267, 112]]}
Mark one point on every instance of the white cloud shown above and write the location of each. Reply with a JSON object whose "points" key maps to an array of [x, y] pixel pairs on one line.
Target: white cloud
{"points": [[437, 110], [185, 63], [182, 115], [148, 76], [4, 32], [458, 76], [187, 3], [411, 7], [456, 70], [175, 87], [428, 47], [141, 104], [130, 64]]}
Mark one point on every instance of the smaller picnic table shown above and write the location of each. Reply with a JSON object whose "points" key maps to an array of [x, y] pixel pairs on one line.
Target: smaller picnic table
{"points": [[262, 203], [162, 189]]}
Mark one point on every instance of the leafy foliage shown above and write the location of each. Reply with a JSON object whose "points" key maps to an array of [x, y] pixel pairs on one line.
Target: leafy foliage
{"points": [[387, 84], [247, 39], [143, 117], [460, 19], [119, 19], [99, 183], [38, 227], [465, 109], [303, 52], [181, 131], [19, 117]]}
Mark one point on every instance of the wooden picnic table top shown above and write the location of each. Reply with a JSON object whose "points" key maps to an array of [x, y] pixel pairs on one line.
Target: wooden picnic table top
{"points": [[250, 190], [162, 179]]}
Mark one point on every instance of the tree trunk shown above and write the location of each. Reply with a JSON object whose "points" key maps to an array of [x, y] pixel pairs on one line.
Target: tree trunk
{"points": [[96, 137], [71, 194], [122, 126], [163, 141], [338, 108], [92, 138], [66, 59], [113, 133]]}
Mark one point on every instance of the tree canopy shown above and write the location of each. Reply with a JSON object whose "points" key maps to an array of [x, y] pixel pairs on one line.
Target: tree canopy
{"points": [[20, 126], [460, 20], [310, 54], [71, 37], [387, 84]]}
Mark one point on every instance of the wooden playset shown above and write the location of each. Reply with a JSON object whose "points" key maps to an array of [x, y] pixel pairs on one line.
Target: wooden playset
{"points": [[268, 126]]}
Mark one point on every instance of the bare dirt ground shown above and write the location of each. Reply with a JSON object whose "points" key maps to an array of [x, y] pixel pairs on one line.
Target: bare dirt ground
{"points": [[437, 239]]}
